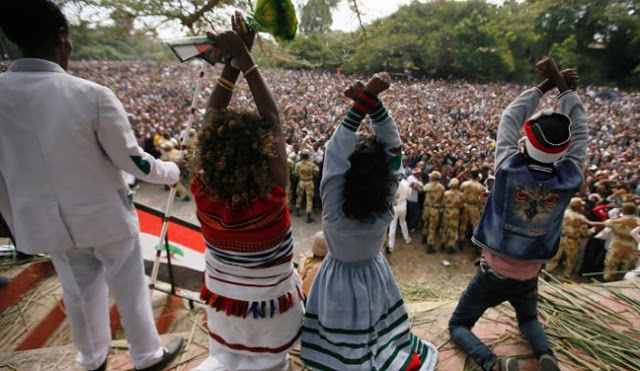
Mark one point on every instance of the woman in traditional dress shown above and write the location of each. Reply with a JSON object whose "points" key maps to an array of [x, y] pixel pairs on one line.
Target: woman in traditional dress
{"points": [[355, 317], [254, 297]]}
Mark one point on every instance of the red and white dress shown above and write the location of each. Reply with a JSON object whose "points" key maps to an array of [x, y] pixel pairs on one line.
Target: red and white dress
{"points": [[253, 293]]}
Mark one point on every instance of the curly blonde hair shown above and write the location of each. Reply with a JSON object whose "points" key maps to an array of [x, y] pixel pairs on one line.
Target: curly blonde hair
{"points": [[234, 152]]}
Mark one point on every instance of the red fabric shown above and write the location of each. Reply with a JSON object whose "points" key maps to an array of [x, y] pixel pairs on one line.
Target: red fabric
{"points": [[414, 364], [261, 226], [368, 99], [600, 212]]}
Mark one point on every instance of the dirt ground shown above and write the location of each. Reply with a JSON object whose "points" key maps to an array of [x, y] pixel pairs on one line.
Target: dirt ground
{"points": [[419, 275]]}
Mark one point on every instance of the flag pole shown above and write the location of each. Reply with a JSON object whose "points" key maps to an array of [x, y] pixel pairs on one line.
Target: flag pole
{"points": [[172, 194]]}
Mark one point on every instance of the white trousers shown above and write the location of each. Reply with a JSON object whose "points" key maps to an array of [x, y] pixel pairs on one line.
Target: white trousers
{"points": [[87, 276], [400, 214]]}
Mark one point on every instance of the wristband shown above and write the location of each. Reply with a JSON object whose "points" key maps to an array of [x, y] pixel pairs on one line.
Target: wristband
{"points": [[249, 70]]}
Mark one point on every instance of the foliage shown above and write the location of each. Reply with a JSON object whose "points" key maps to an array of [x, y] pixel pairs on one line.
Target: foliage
{"points": [[606, 34], [114, 43], [565, 53], [316, 16], [469, 39], [441, 39], [193, 15]]}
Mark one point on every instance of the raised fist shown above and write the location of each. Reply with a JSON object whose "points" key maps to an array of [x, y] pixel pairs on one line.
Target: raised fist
{"points": [[547, 69], [353, 90], [378, 83]]}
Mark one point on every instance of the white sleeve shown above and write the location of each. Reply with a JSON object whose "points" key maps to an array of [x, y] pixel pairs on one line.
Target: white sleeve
{"points": [[117, 140], [511, 122]]}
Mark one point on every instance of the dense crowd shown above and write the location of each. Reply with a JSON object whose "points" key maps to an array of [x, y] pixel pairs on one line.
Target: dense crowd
{"points": [[450, 125]]}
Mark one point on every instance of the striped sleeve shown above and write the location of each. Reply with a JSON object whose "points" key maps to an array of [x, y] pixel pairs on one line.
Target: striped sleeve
{"points": [[353, 118]]}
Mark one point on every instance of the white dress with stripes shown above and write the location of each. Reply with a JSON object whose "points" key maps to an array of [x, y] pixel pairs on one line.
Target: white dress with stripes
{"points": [[355, 317]]}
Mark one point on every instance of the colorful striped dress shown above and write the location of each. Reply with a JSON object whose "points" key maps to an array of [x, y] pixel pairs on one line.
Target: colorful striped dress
{"points": [[355, 317], [254, 295]]}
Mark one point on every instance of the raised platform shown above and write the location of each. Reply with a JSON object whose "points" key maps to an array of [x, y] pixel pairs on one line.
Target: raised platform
{"points": [[34, 333]]}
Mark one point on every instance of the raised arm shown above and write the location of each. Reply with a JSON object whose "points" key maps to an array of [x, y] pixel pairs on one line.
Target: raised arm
{"points": [[223, 90], [569, 103], [231, 43], [511, 122], [342, 143]]}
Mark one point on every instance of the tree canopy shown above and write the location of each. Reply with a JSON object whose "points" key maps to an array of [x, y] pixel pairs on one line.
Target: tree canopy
{"points": [[469, 39]]}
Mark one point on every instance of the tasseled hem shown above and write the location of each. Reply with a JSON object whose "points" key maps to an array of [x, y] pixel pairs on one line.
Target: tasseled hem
{"points": [[415, 363], [255, 309]]}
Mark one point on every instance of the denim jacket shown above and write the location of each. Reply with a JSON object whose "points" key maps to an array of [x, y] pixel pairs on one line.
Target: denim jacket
{"points": [[522, 218]]}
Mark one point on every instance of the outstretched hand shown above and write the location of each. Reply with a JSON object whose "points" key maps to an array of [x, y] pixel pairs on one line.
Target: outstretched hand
{"points": [[353, 90], [378, 83], [240, 26], [548, 70]]}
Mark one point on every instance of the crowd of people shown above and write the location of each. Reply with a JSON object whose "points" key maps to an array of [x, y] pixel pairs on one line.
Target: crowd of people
{"points": [[446, 126]]}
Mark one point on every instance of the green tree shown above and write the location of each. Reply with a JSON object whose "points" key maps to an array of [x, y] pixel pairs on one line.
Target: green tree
{"points": [[607, 35], [316, 16], [194, 15], [565, 53]]}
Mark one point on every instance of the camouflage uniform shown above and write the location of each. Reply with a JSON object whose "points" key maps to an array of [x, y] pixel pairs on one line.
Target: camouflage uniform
{"points": [[622, 254], [574, 229], [473, 197], [290, 167], [451, 216], [305, 170], [434, 191]]}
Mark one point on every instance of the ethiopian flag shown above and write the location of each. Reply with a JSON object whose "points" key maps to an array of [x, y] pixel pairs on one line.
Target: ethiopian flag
{"points": [[186, 248]]}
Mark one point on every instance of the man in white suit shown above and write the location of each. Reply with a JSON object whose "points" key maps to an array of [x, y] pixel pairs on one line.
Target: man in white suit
{"points": [[63, 145]]}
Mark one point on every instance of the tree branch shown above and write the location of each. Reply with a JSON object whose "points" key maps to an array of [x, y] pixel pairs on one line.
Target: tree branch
{"points": [[353, 4]]}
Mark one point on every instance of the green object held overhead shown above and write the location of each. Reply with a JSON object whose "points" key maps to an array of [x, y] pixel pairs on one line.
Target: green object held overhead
{"points": [[277, 17]]}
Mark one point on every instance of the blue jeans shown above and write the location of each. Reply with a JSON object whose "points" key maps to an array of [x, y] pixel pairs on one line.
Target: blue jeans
{"points": [[487, 290]]}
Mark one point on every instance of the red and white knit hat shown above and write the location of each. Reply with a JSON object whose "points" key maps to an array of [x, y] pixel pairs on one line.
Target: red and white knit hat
{"points": [[548, 136]]}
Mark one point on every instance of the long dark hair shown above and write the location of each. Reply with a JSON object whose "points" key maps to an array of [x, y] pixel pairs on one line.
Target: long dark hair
{"points": [[367, 182]]}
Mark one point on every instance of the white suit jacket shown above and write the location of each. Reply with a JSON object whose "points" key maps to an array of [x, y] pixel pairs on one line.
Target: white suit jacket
{"points": [[63, 142]]}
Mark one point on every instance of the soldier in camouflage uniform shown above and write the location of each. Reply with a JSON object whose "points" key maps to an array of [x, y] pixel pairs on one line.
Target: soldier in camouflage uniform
{"points": [[622, 254], [305, 170], [473, 198], [290, 167], [575, 227], [451, 216], [434, 192]]}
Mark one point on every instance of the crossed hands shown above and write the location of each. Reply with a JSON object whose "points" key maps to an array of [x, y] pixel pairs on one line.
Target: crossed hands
{"points": [[239, 39], [547, 69], [376, 85]]}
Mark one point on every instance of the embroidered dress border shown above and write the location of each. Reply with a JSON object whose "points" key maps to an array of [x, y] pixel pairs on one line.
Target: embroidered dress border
{"points": [[243, 347], [256, 309]]}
